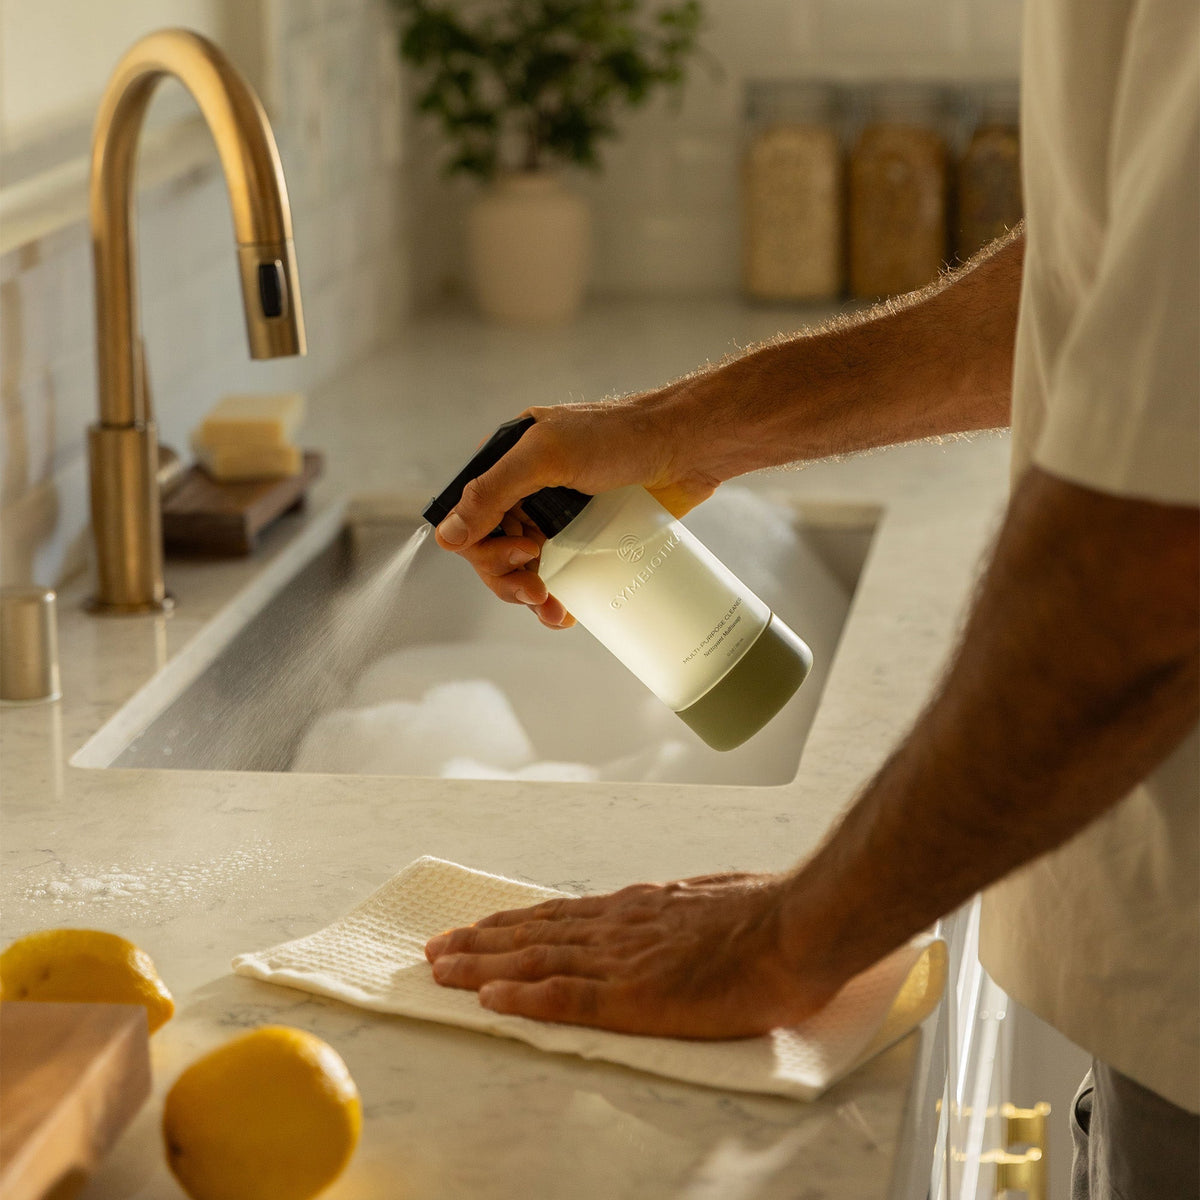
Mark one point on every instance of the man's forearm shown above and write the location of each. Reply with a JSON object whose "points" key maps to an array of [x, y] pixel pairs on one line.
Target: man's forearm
{"points": [[936, 362], [1079, 670]]}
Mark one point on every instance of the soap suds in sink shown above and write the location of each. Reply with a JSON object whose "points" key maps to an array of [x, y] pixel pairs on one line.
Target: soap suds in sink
{"points": [[467, 729]]}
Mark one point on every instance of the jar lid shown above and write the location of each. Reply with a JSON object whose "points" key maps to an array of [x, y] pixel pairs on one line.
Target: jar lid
{"points": [[999, 102], [773, 101], [907, 103]]}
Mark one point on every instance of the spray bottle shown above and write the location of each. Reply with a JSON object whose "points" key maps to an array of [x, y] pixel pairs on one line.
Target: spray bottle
{"points": [[662, 603]]}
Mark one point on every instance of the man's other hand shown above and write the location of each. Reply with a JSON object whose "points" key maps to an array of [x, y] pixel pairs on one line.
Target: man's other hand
{"points": [[701, 958]]}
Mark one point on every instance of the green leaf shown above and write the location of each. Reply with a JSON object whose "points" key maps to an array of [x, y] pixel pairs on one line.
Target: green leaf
{"points": [[558, 70]]}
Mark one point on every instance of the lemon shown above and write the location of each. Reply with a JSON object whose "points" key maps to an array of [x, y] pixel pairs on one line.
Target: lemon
{"points": [[271, 1115], [85, 965]]}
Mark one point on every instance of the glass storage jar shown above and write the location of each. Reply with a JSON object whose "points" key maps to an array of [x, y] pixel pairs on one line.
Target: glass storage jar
{"points": [[989, 172], [898, 189], [792, 238]]}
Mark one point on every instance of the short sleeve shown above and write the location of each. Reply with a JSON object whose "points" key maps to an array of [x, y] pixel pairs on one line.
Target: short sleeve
{"points": [[1124, 398]]}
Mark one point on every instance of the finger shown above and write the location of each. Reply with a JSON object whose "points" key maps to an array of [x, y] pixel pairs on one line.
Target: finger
{"points": [[500, 555], [570, 999], [526, 965], [512, 525], [552, 614], [500, 939], [529, 466], [513, 585]]}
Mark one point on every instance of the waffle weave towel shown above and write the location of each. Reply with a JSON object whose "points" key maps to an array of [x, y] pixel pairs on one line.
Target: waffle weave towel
{"points": [[374, 957]]}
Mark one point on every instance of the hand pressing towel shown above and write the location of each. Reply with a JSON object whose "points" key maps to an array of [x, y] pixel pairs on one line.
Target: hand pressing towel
{"points": [[374, 958]]}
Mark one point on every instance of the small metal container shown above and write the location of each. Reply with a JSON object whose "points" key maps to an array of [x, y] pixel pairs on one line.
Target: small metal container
{"points": [[28, 646]]}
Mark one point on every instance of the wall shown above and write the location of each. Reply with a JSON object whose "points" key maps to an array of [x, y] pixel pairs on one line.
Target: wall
{"points": [[378, 229], [338, 124], [75, 43], [666, 203]]}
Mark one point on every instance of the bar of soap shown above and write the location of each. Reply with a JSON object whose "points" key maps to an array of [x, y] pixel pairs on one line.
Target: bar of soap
{"points": [[231, 462], [262, 420]]}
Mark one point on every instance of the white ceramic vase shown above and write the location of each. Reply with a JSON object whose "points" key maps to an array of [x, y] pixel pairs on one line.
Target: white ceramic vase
{"points": [[529, 247]]}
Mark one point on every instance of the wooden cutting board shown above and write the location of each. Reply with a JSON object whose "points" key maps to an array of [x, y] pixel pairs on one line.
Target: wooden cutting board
{"points": [[204, 516], [72, 1076]]}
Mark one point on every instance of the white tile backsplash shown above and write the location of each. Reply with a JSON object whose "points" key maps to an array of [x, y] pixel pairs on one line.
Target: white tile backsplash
{"points": [[337, 69], [890, 31], [995, 29]]}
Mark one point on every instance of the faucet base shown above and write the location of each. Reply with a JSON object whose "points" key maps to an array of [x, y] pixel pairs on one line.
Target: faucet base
{"points": [[99, 608], [126, 522]]}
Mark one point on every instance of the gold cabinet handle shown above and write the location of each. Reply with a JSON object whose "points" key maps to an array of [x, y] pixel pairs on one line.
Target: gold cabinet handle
{"points": [[1025, 1126], [1025, 1172]]}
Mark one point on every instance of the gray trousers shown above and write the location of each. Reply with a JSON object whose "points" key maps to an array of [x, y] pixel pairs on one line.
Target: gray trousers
{"points": [[1130, 1143]]}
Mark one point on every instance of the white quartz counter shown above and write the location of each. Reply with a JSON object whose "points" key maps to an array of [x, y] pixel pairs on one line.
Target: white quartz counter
{"points": [[197, 866]]}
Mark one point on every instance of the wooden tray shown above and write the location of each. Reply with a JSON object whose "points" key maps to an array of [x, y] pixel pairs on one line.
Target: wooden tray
{"points": [[73, 1076], [205, 517]]}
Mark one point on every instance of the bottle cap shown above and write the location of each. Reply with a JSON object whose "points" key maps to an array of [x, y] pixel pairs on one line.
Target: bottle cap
{"points": [[780, 101], [551, 509], [906, 102], [999, 103], [28, 645]]}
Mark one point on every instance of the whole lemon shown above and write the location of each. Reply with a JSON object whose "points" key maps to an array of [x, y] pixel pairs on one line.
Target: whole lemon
{"points": [[271, 1115], [85, 965]]}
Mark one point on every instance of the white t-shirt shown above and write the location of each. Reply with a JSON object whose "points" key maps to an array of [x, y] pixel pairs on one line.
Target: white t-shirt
{"points": [[1102, 937]]}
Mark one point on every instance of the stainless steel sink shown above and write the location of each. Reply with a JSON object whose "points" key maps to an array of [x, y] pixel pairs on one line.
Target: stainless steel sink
{"points": [[305, 645]]}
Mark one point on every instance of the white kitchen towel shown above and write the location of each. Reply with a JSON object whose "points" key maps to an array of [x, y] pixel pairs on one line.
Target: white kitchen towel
{"points": [[374, 958]]}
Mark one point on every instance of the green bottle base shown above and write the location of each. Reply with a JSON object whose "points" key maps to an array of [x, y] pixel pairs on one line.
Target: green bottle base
{"points": [[752, 692]]}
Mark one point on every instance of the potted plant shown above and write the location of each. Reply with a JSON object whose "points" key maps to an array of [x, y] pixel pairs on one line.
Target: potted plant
{"points": [[521, 87]]}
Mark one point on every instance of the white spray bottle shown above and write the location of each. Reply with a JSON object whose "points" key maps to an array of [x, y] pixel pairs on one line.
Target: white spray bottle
{"points": [[644, 587]]}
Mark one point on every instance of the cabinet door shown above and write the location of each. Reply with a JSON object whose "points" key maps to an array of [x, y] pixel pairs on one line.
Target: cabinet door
{"points": [[997, 1053], [1046, 1066], [978, 1054], [984, 1074]]}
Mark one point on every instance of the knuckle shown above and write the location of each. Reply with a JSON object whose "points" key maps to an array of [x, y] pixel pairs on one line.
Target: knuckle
{"points": [[531, 960], [474, 493], [495, 564], [547, 440], [632, 939], [501, 586], [560, 995], [460, 940], [447, 969], [483, 562], [635, 891]]}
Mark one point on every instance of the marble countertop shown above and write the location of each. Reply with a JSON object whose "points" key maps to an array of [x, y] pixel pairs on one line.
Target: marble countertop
{"points": [[197, 866]]}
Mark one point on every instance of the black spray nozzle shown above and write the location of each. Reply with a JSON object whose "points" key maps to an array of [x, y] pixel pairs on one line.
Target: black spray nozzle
{"points": [[551, 509]]}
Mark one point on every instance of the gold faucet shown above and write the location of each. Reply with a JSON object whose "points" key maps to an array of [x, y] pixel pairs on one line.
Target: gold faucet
{"points": [[123, 445]]}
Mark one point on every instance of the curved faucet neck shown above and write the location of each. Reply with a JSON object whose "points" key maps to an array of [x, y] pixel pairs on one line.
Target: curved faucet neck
{"points": [[257, 192]]}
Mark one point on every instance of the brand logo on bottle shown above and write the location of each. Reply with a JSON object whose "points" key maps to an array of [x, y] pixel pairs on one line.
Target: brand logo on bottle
{"points": [[656, 560], [630, 548]]}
